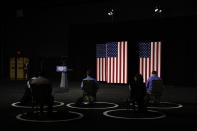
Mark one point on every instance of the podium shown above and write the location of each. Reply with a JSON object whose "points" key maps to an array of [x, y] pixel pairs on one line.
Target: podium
{"points": [[64, 80], [64, 77]]}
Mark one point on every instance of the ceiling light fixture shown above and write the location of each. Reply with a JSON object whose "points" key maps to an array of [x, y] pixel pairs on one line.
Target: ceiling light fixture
{"points": [[111, 12]]}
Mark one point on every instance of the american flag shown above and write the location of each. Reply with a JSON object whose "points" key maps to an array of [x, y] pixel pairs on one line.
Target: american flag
{"points": [[149, 59], [112, 62], [101, 62]]}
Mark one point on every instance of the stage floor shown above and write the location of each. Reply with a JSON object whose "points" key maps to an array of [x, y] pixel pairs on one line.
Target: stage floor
{"points": [[177, 118]]}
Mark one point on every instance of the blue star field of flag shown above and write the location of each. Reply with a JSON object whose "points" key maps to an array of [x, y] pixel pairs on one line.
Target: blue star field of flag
{"points": [[112, 49], [145, 50], [100, 50]]}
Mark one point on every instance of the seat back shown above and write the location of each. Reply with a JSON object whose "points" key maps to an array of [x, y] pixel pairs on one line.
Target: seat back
{"points": [[41, 93], [157, 87], [90, 86]]}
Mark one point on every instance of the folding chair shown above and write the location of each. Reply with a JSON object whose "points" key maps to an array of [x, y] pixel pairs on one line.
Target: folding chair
{"points": [[90, 89], [41, 95], [157, 91]]}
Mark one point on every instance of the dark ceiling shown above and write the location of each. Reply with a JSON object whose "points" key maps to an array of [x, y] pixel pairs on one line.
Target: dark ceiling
{"points": [[96, 10], [173, 4]]}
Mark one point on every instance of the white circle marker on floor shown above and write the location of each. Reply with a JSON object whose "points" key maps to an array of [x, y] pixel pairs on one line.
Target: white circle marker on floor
{"points": [[163, 107], [106, 113], [114, 106], [170, 107], [19, 117], [20, 106]]}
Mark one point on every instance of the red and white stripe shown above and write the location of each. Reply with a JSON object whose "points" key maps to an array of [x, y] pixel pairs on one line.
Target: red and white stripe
{"points": [[101, 69], [117, 67], [147, 65]]}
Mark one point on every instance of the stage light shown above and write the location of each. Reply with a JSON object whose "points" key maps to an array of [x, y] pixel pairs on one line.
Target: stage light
{"points": [[111, 12], [156, 9]]}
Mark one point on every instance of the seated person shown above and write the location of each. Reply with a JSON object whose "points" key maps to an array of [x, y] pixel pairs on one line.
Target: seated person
{"points": [[138, 93], [89, 87], [41, 90], [151, 85], [26, 100]]}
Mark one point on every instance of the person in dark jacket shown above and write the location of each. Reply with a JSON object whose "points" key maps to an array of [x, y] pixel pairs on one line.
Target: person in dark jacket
{"points": [[138, 93], [41, 90]]}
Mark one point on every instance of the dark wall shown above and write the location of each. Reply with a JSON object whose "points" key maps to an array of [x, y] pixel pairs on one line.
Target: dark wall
{"points": [[46, 33], [179, 64], [39, 34], [83, 42], [176, 34]]}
